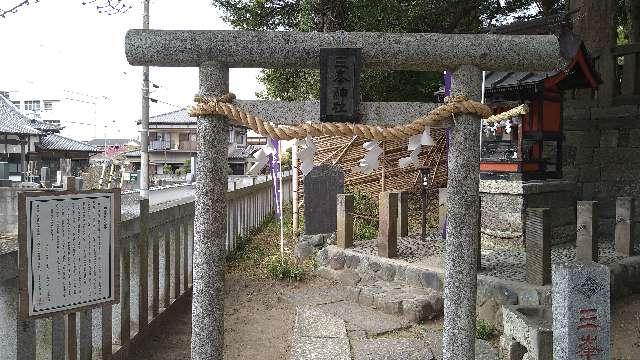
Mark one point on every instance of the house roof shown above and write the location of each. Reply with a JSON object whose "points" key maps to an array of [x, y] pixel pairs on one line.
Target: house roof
{"points": [[242, 152], [174, 117], [109, 142], [13, 122], [61, 143]]}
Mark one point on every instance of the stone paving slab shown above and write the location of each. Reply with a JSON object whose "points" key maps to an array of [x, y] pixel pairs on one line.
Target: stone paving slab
{"points": [[484, 350], [317, 296], [396, 298], [311, 322], [319, 336], [313, 348], [391, 349], [361, 318]]}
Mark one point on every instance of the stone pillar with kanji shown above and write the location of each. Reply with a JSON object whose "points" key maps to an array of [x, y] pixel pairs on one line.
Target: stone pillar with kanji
{"points": [[581, 311]]}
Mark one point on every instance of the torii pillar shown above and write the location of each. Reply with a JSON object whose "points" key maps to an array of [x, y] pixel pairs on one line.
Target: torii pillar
{"points": [[463, 234], [209, 245], [215, 51]]}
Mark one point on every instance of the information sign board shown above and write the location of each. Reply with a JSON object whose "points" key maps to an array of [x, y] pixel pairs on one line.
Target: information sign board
{"points": [[68, 253]]}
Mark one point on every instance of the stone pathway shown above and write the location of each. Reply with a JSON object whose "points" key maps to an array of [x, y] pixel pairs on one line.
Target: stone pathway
{"points": [[329, 326], [505, 262], [318, 335]]}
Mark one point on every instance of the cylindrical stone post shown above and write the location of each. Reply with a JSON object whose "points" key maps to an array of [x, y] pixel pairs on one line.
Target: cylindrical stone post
{"points": [[207, 339], [388, 228], [624, 242], [344, 221], [587, 231], [463, 231], [403, 213]]}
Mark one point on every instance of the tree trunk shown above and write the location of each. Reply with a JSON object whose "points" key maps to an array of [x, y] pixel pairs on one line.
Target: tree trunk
{"points": [[633, 20], [330, 15], [595, 22]]}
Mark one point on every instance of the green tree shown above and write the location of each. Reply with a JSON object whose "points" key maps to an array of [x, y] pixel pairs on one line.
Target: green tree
{"points": [[410, 16]]}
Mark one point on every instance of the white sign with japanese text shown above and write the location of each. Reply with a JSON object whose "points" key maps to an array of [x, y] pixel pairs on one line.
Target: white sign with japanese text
{"points": [[70, 251]]}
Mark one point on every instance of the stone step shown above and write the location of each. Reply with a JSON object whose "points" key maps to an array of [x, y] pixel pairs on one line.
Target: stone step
{"points": [[415, 304]]}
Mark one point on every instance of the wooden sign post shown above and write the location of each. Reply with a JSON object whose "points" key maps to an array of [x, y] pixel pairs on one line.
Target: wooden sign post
{"points": [[68, 258]]}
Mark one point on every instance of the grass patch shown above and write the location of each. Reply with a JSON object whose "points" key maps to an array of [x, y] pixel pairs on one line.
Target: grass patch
{"points": [[258, 252], [288, 268], [365, 227], [485, 330]]}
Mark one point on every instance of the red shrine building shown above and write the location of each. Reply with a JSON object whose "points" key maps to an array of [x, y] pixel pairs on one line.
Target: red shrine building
{"points": [[521, 165], [530, 147]]}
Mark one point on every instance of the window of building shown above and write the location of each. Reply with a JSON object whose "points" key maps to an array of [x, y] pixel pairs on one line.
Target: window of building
{"points": [[16, 103], [237, 168], [32, 105], [48, 105], [239, 136]]}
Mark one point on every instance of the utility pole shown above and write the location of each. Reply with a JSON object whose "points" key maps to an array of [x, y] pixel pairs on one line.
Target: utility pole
{"points": [[144, 132], [143, 248]]}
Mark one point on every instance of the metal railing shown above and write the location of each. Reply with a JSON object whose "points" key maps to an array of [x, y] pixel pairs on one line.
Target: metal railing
{"points": [[159, 145], [188, 145], [146, 292]]}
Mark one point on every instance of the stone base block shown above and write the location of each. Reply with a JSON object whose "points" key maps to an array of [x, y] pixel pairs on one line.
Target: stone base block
{"points": [[528, 328]]}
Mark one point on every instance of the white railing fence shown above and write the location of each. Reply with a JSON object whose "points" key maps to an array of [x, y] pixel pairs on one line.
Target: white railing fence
{"points": [[113, 331]]}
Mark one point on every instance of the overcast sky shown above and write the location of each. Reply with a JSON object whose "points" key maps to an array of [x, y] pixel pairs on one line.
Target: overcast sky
{"points": [[58, 46]]}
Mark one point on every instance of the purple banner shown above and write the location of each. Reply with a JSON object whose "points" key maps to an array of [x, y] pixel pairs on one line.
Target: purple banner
{"points": [[274, 167]]}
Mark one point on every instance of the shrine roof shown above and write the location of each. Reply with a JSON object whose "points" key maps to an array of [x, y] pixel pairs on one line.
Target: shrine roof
{"points": [[506, 79]]}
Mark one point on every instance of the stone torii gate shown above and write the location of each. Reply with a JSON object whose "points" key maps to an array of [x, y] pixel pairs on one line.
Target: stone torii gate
{"points": [[214, 52]]}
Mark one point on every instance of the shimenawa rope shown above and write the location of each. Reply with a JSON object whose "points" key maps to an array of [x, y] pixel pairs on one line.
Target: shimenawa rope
{"points": [[206, 106]]}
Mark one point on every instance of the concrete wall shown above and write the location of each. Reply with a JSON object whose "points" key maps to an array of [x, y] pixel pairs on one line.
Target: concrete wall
{"points": [[601, 153], [8, 211]]}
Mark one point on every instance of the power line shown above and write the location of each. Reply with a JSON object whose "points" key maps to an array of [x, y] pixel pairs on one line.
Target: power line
{"points": [[154, 100], [14, 9], [109, 7]]}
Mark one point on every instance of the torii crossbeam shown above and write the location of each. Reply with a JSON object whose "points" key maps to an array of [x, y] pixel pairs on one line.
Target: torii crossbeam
{"points": [[214, 52]]}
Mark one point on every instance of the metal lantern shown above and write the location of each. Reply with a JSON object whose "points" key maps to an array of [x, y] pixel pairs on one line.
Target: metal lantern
{"points": [[424, 179], [424, 186]]}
